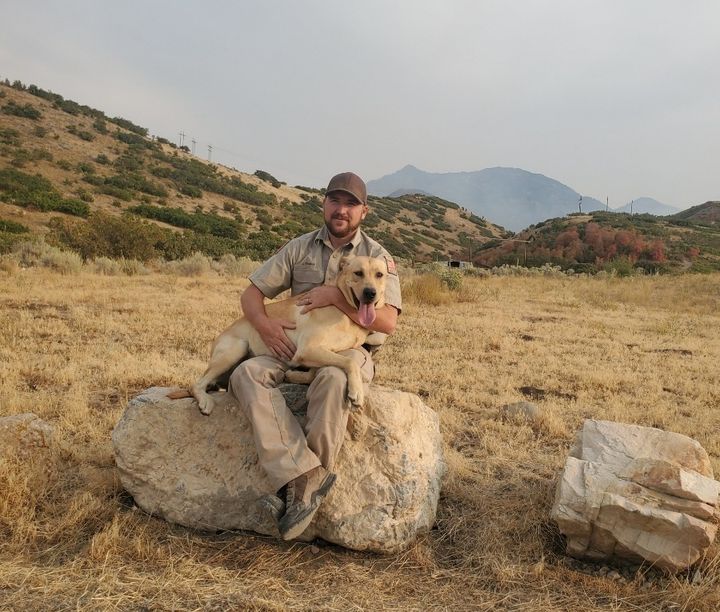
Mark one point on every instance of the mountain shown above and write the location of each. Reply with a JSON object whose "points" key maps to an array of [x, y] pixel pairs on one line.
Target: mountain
{"points": [[647, 206], [705, 214], [103, 186], [615, 241], [510, 197]]}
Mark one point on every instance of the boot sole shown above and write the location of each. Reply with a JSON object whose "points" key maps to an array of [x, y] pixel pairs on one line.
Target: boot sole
{"points": [[292, 528]]}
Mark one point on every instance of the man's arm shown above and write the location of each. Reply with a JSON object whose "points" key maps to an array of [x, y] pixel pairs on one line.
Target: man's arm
{"points": [[327, 295], [272, 331]]}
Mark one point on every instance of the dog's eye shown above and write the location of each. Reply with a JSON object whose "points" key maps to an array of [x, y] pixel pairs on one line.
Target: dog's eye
{"points": [[378, 274], [359, 274]]}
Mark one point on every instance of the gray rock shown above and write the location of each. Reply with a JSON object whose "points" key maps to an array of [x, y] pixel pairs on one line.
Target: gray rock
{"points": [[521, 411], [202, 472], [24, 433], [632, 493]]}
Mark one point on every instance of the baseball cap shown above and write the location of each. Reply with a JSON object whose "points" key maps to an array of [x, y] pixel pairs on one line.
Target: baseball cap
{"points": [[349, 183]]}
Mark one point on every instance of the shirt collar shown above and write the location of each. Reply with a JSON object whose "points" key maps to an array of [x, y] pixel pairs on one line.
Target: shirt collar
{"points": [[324, 236]]}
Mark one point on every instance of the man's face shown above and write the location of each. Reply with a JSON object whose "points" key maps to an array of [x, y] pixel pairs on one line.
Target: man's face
{"points": [[343, 213]]}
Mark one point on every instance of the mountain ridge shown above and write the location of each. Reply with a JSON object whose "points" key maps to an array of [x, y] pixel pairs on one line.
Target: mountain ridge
{"points": [[511, 197]]}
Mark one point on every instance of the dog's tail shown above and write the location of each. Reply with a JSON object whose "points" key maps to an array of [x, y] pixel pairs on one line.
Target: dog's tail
{"points": [[179, 394]]}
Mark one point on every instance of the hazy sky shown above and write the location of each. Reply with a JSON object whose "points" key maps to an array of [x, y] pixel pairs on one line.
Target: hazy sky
{"points": [[616, 98]]}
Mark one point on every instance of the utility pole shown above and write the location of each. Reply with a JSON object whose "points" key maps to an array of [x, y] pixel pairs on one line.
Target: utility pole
{"points": [[580, 204], [607, 203], [209, 152], [193, 146], [631, 207], [182, 138]]}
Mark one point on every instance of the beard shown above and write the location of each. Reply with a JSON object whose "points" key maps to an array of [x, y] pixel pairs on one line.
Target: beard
{"points": [[348, 230]]}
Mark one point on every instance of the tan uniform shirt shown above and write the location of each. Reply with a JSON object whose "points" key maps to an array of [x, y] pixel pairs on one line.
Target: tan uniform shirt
{"points": [[310, 261]]}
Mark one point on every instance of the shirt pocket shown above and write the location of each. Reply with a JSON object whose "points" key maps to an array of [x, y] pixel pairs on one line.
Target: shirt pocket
{"points": [[305, 278]]}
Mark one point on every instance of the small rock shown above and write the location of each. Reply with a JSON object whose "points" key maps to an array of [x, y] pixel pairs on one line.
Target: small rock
{"points": [[521, 411], [24, 433]]}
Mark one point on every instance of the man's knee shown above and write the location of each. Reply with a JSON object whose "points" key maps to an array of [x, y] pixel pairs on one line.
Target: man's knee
{"points": [[252, 371], [331, 376]]}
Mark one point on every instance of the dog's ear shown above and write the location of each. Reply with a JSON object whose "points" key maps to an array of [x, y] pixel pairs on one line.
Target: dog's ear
{"points": [[344, 261]]}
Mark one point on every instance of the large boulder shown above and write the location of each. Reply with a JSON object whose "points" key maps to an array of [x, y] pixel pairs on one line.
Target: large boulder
{"points": [[203, 472], [637, 494]]}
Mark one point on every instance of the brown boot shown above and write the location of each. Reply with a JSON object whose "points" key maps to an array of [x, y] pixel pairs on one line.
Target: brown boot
{"points": [[304, 495]]}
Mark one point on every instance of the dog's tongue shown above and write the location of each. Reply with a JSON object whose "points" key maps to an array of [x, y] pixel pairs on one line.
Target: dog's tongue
{"points": [[366, 314]]}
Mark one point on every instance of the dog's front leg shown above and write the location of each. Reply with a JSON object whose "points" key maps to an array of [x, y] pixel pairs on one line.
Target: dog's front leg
{"points": [[317, 357], [226, 353]]}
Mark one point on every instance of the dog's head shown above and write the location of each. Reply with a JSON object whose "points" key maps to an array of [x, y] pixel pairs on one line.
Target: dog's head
{"points": [[362, 281]]}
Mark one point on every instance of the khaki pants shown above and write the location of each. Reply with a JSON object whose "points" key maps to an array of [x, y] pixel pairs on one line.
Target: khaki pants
{"points": [[284, 450]]}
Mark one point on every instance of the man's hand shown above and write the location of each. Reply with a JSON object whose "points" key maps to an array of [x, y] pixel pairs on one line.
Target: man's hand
{"points": [[272, 332], [319, 297]]}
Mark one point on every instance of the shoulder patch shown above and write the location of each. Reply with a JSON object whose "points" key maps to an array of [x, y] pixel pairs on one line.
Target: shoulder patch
{"points": [[391, 268]]}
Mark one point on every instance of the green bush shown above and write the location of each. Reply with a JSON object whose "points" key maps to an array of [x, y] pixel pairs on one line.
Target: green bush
{"points": [[26, 110], [267, 177], [100, 126], [13, 227], [36, 191], [129, 125], [9, 136]]}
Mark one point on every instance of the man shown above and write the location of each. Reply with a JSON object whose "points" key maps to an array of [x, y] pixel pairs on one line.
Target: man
{"points": [[298, 461]]}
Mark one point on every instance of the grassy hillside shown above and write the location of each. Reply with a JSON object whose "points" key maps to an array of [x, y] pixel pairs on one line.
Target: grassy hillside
{"points": [[612, 241], [703, 214], [103, 187]]}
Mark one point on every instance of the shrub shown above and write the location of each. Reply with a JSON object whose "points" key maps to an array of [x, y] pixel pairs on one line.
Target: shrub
{"points": [[26, 110], [39, 253], [242, 267], [100, 125], [9, 136], [39, 131], [133, 267], [267, 177], [196, 264], [105, 266], [36, 191], [129, 125], [108, 236], [102, 159], [426, 289], [13, 227]]}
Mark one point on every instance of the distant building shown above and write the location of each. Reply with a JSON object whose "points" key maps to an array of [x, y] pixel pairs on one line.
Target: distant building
{"points": [[456, 263]]}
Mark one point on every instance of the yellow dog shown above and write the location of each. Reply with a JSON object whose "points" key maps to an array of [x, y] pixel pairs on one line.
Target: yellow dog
{"points": [[319, 334]]}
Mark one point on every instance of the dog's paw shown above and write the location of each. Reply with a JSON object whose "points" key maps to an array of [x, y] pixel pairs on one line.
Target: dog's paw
{"points": [[356, 399], [206, 405]]}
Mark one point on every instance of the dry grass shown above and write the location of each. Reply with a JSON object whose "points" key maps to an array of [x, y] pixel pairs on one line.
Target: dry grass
{"points": [[74, 348]]}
